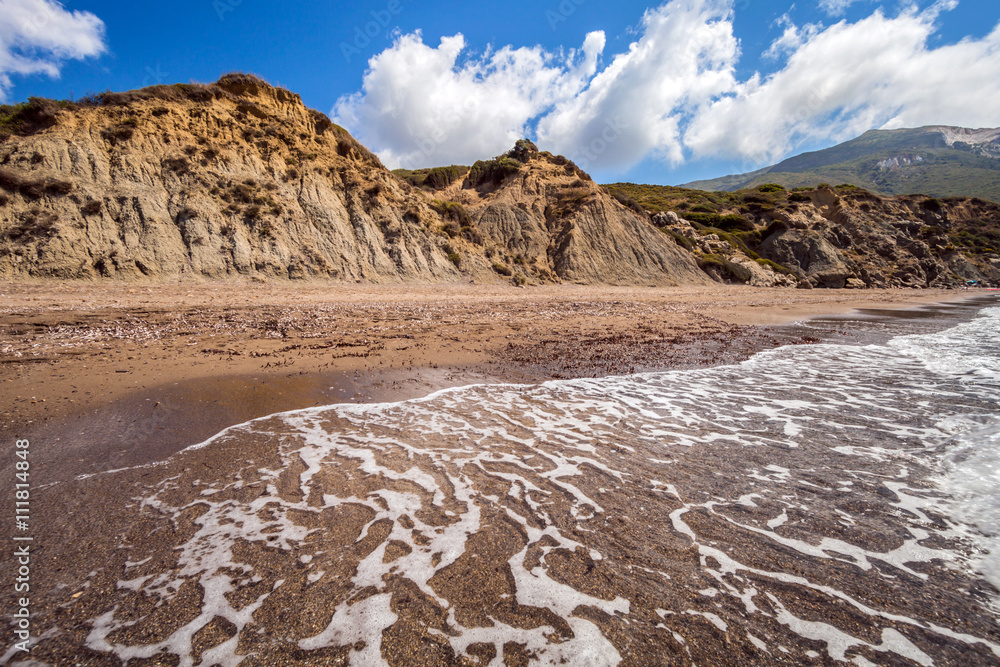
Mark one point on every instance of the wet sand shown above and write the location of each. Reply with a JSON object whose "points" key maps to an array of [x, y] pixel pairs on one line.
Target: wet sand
{"points": [[113, 375], [137, 558]]}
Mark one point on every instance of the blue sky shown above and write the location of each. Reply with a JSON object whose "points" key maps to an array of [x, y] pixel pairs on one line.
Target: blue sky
{"points": [[659, 93]]}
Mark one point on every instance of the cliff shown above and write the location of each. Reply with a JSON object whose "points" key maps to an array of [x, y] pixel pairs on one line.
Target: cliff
{"points": [[829, 237], [239, 178], [538, 212]]}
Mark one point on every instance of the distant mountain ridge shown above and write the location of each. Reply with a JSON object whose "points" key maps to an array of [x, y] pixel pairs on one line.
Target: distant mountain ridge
{"points": [[936, 160]]}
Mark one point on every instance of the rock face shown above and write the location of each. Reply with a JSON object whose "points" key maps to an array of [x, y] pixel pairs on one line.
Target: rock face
{"points": [[236, 178], [807, 252], [848, 237], [552, 220], [829, 237], [720, 259], [239, 178]]}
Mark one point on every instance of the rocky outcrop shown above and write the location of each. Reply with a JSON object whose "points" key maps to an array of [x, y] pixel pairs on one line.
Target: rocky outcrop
{"points": [[837, 237], [723, 261], [832, 237], [807, 253], [240, 179], [638, 252], [233, 179]]}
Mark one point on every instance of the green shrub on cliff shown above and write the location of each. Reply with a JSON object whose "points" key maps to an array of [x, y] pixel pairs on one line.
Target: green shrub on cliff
{"points": [[493, 172], [434, 178]]}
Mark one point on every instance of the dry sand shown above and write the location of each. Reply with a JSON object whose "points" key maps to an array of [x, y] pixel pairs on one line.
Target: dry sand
{"points": [[110, 375]]}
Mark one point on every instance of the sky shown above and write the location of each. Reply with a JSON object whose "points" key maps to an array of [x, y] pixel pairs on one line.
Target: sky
{"points": [[653, 93]]}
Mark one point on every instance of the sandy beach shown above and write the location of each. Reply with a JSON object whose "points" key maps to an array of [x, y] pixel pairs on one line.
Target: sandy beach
{"points": [[270, 545], [112, 375]]}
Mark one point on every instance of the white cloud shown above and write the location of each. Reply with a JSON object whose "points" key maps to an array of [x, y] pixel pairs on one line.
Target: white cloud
{"points": [[673, 95], [851, 77], [793, 37], [683, 59], [420, 107], [37, 36], [835, 7]]}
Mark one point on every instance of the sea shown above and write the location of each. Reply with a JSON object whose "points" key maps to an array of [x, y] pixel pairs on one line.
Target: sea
{"points": [[828, 503]]}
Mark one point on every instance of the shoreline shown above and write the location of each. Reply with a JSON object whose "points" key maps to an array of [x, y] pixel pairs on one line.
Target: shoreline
{"points": [[117, 375]]}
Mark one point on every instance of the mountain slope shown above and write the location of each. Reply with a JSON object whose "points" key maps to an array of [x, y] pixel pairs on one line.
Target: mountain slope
{"points": [[939, 161], [239, 178], [232, 178]]}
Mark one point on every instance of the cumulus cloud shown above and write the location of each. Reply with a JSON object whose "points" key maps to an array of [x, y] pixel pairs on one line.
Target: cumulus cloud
{"points": [[792, 39], [851, 77], [37, 36], [420, 106], [684, 58], [673, 94]]}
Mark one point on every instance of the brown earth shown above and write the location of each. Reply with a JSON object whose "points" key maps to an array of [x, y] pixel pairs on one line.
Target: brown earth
{"points": [[107, 376]]}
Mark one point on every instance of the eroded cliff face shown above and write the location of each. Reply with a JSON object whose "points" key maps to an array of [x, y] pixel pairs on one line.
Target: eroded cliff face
{"points": [[841, 237], [551, 220], [236, 178], [833, 237], [239, 178]]}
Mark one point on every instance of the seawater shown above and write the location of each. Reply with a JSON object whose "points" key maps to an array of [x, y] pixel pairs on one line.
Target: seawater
{"points": [[828, 502]]}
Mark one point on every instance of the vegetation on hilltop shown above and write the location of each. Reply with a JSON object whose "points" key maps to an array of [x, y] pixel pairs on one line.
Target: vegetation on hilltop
{"points": [[487, 173], [37, 113], [694, 203], [434, 178]]}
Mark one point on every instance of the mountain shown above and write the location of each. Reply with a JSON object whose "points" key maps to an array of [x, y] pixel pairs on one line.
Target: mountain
{"points": [[239, 178], [938, 161], [538, 210]]}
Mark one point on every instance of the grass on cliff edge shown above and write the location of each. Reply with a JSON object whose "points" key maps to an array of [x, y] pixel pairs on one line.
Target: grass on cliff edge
{"points": [[39, 113]]}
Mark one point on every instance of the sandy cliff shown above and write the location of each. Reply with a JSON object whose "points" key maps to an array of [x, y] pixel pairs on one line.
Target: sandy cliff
{"points": [[239, 178]]}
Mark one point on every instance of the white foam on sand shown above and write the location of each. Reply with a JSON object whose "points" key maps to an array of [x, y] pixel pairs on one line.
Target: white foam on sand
{"points": [[559, 458]]}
